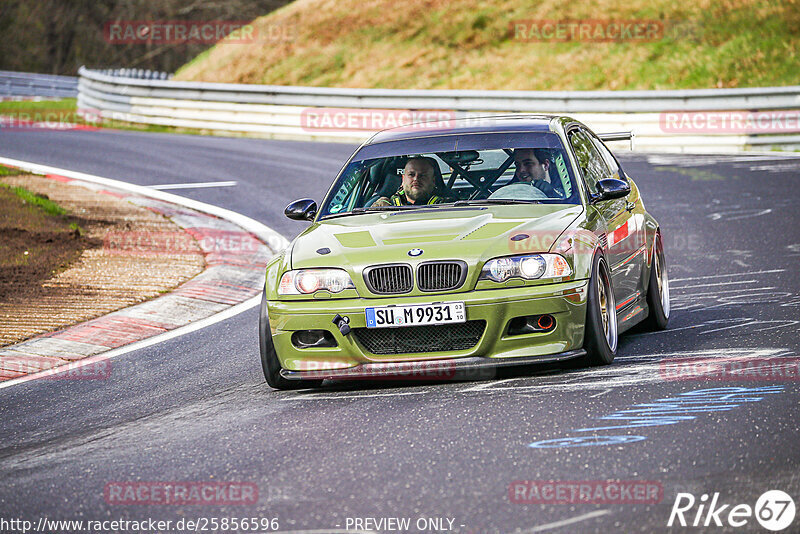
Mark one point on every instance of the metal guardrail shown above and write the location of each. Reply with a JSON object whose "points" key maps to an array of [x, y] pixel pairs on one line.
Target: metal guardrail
{"points": [[285, 112], [42, 85]]}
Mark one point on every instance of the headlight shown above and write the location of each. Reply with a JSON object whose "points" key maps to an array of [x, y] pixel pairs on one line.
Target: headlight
{"points": [[307, 281], [530, 267]]}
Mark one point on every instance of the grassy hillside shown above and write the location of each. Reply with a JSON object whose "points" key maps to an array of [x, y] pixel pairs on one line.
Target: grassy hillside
{"points": [[471, 44]]}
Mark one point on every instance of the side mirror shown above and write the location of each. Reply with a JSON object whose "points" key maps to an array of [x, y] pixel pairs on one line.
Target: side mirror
{"points": [[611, 188], [301, 210]]}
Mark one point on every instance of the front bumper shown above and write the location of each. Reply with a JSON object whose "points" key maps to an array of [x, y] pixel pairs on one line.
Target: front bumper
{"points": [[565, 301], [470, 368]]}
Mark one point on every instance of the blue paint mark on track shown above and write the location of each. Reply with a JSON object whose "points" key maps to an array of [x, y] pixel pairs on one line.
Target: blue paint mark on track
{"points": [[667, 411]]}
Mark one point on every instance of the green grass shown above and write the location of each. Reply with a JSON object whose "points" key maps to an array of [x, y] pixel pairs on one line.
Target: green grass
{"points": [[44, 203], [75, 227], [470, 44], [66, 104], [66, 110], [8, 171]]}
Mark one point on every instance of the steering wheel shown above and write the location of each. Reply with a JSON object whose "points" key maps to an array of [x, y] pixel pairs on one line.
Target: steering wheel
{"points": [[519, 192]]}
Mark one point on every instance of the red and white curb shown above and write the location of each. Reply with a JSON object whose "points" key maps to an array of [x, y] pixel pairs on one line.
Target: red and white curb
{"points": [[236, 249]]}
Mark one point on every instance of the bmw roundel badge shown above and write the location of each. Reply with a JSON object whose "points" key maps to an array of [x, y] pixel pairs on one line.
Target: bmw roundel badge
{"points": [[415, 252]]}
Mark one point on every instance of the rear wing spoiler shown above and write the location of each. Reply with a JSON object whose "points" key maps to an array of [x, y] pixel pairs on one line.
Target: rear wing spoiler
{"points": [[617, 136]]}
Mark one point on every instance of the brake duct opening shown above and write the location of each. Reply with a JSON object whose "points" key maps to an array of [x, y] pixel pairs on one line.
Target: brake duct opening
{"points": [[531, 324]]}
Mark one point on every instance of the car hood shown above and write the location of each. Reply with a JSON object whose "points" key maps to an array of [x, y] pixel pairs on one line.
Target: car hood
{"points": [[473, 234]]}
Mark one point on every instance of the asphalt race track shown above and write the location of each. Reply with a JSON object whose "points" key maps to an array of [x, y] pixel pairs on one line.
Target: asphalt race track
{"points": [[196, 408]]}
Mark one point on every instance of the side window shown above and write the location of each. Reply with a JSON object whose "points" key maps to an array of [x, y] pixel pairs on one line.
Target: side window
{"points": [[608, 157], [593, 167], [342, 199]]}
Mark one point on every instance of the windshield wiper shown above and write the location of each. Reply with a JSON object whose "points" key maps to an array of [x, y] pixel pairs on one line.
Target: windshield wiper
{"points": [[494, 201], [361, 211], [386, 208]]}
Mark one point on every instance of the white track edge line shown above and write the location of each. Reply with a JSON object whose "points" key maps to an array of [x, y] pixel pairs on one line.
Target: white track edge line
{"points": [[273, 239], [191, 185]]}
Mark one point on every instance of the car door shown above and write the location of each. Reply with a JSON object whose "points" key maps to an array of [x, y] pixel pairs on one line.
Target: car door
{"points": [[632, 237], [610, 218]]}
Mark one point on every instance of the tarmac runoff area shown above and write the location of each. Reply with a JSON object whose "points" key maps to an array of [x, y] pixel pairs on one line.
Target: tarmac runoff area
{"points": [[234, 273]]}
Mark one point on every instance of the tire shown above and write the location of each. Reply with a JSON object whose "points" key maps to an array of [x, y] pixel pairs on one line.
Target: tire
{"points": [[269, 358], [601, 333], [657, 290]]}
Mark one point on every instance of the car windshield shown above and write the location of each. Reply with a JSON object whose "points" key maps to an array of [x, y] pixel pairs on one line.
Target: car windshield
{"points": [[496, 168]]}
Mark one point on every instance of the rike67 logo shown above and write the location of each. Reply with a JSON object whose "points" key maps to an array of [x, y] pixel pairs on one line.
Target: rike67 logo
{"points": [[774, 510]]}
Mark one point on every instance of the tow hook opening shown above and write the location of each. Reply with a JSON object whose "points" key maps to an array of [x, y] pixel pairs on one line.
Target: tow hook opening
{"points": [[342, 323]]}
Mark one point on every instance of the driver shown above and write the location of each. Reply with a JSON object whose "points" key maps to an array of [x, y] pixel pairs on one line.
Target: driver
{"points": [[533, 167], [418, 187]]}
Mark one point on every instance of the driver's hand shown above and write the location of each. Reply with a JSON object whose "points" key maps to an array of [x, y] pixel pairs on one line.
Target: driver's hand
{"points": [[545, 188], [383, 201]]}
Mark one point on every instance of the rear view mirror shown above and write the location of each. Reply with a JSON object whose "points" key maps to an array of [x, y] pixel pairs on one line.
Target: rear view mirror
{"points": [[301, 210]]}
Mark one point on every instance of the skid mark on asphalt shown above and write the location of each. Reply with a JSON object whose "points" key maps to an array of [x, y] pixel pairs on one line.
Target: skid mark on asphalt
{"points": [[708, 277], [683, 297], [635, 371], [739, 213], [774, 167], [626, 372], [751, 281], [488, 384], [565, 522], [721, 299], [756, 325]]}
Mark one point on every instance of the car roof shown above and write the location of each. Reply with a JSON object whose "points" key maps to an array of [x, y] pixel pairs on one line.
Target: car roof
{"points": [[470, 125]]}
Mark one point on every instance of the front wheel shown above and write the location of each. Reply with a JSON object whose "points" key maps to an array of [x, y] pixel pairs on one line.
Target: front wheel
{"points": [[269, 358], [600, 332], [658, 290]]}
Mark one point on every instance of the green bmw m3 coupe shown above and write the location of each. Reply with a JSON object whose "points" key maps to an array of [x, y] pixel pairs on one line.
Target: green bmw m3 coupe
{"points": [[464, 245]]}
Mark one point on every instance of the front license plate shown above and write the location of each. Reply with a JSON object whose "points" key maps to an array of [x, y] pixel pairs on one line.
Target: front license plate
{"points": [[416, 314]]}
